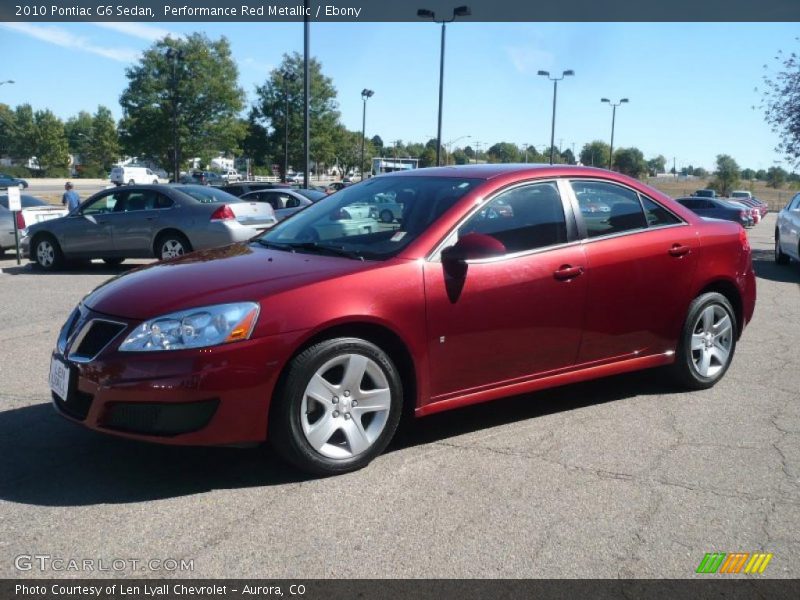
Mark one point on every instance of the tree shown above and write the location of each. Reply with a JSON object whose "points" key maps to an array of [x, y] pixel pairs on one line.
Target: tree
{"points": [[7, 130], [595, 154], [105, 149], [567, 157], [726, 175], [203, 92], [504, 152], [781, 104], [24, 140], [52, 150], [468, 150], [377, 142], [78, 130], [347, 148], [776, 177], [427, 157], [699, 172], [656, 165], [761, 174], [748, 174], [270, 106], [630, 161]]}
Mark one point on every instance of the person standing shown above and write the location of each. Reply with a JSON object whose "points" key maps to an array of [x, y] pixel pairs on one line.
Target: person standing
{"points": [[70, 197]]}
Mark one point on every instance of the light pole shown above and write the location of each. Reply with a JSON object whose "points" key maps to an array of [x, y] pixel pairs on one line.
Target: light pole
{"points": [[477, 151], [288, 78], [449, 146], [424, 13], [555, 80], [174, 56], [365, 94], [526, 146], [306, 93], [613, 119]]}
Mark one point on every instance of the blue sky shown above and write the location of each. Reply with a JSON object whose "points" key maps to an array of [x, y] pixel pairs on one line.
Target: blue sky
{"points": [[691, 86]]}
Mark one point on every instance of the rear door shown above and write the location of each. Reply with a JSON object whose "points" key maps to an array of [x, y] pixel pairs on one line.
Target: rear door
{"points": [[640, 262], [789, 228]]}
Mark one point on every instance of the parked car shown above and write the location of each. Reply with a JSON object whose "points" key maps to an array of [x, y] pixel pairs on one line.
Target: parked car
{"points": [[133, 176], [231, 175], [34, 210], [336, 186], [295, 178], [320, 346], [7, 181], [285, 202], [202, 178], [242, 187], [760, 207], [749, 210], [715, 208], [162, 221], [787, 232], [705, 193]]}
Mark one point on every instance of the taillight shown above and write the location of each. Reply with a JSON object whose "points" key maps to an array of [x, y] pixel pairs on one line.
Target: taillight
{"points": [[223, 213], [743, 239], [742, 214], [20, 221]]}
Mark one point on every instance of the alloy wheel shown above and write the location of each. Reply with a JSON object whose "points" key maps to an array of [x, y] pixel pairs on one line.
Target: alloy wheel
{"points": [[172, 248], [712, 340], [45, 254], [345, 406]]}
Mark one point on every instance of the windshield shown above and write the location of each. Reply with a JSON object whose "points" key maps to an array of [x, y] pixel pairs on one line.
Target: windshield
{"points": [[372, 220], [206, 194]]}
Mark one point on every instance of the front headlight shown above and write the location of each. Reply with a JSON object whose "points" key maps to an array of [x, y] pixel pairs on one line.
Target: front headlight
{"points": [[194, 328]]}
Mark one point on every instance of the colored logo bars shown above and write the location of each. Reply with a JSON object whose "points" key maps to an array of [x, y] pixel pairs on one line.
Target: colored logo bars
{"points": [[735, 562]]}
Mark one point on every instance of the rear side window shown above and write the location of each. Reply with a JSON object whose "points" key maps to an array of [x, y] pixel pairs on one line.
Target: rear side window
{"points": [[620, 209], [795, 203], [656, 214], [524, 218]]}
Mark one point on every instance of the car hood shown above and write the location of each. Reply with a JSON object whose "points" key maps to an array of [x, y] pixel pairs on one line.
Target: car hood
{"points": [[234, 273]]}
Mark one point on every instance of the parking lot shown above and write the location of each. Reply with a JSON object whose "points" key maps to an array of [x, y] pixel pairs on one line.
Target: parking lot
{"points": [[623, 477]]}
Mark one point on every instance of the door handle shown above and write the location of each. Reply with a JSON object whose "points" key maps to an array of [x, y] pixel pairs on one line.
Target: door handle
{"points": [[565, 272], [679, 250]]}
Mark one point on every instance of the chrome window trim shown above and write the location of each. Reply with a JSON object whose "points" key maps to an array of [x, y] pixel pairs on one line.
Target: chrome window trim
{"points": [[480, 202]]}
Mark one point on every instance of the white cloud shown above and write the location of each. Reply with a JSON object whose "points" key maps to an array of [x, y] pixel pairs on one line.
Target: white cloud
{"points": [[65, 39], [528, 59], [140, 30]]}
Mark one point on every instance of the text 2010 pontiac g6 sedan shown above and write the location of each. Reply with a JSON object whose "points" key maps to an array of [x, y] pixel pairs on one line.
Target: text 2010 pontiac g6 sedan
{"points": [[492, 282]]}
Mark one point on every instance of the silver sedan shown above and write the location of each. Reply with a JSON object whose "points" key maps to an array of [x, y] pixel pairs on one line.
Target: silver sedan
{"points": [[787, 232], [162, 221], [284, 201]]}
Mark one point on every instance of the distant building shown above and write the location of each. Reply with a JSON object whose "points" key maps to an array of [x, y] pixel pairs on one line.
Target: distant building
{"points": [[388, 165]]}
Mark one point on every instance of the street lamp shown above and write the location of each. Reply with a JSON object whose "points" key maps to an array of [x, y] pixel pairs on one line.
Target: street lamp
{"points": [[424, 13], [288, 78], [174, 56], [365, 93], [449, 147], [613, 119], [555, 80]]}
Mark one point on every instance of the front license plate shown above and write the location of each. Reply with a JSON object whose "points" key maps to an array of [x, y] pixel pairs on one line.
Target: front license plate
{"points": [[59, 378]]}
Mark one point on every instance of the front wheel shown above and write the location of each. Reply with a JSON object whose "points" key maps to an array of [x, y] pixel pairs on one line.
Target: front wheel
{"points": [[707, 343], [47, 253], [780, 257], [131, 182], [337, 408]]}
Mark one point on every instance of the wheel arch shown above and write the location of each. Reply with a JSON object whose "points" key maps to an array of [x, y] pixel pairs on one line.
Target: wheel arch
{"points": [[380, 335], [165, 231], [731, 292]]}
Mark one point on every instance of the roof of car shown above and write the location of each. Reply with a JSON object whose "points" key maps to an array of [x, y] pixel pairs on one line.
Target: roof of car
{"points": [[489, 171]]}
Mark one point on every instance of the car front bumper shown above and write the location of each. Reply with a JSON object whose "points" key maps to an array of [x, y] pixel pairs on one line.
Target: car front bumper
{"points": [[208, 396]]}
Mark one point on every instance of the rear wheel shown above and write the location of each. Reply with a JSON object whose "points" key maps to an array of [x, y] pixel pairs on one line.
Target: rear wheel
{"points": [[387, 216], [131, 182], [337, 408], [780, 257], [47, 253], [155, 181], [172, 245], [707, 343]]}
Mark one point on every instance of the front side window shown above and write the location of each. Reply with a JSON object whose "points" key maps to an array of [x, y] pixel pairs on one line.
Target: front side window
{"points": [[620, 208], [524, 218], [105, 204], [374, 219]]}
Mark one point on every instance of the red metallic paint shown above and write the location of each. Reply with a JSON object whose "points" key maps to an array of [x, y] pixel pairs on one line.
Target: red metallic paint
{"points": [[509, 327]]}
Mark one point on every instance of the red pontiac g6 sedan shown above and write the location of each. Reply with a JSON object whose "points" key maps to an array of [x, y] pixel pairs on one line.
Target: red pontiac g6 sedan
{"points": [[492, 281]]}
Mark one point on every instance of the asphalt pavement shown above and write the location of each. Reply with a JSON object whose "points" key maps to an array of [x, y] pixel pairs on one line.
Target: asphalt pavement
{"points": [[624, 477]]}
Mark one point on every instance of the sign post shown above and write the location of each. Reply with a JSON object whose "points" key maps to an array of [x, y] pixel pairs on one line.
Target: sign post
{"points": [[15, 206]]}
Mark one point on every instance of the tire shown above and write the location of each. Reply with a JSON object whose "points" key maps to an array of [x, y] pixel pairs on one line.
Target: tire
{"points": [[113, 262], [710, 329], [780, 257], [47, 253], [314, 393], [155, 181], [131, 182], [387, 216], [171, 245]]}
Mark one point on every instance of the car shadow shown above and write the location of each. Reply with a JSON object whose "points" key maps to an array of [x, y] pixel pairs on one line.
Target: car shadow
{"points": [[765, 268], [80, 268], [48, 461]]}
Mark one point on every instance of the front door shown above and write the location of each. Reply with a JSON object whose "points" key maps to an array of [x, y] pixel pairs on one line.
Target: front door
{"points": [[87, 233], [134, 221], [513, 316]]}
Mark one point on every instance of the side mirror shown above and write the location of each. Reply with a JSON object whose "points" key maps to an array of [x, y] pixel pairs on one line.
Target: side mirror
{"points": [[472, 246]]}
